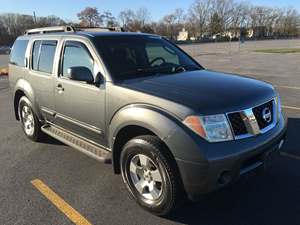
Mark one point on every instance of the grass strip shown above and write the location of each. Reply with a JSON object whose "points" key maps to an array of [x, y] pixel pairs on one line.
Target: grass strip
{"points": [[279, 50]]}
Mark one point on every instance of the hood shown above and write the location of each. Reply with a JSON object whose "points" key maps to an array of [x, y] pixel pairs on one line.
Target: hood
{"points": [[206, 92]]}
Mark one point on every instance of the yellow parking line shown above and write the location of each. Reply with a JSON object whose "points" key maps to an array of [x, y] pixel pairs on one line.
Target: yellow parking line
{"points": [[63, 206], [290, 107]]}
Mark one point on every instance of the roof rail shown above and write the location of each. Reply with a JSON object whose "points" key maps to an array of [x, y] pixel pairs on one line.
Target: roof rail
{"points": [[98, 29], [45, 30]]}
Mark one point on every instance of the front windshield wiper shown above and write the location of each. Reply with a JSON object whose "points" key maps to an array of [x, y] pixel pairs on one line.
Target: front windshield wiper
{"points": [[150, 71], [191, 67]]}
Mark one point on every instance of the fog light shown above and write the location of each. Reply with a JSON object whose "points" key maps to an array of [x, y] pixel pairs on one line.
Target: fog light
{"points": [[225, 178]]}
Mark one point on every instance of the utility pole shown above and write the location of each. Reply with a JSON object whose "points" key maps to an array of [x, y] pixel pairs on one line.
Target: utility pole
{"points": [[34, 17]]}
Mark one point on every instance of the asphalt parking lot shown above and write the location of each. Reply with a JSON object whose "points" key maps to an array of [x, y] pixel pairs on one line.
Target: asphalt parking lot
{"points": [[100, 197], [3, 60]]}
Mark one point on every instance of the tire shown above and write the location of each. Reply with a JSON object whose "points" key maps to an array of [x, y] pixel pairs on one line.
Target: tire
{"points": [[31, 126], [146, 156]]}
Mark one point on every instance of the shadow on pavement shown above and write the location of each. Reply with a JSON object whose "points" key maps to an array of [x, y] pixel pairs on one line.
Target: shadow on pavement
{"points": [[292, 144]]}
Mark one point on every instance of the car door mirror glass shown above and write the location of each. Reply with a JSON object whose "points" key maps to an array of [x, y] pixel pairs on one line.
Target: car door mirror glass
{"points": [[81, 73]]}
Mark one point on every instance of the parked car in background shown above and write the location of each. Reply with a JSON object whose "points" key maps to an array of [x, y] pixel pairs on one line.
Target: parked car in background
{"points": [[173, 129], [5, 50]]}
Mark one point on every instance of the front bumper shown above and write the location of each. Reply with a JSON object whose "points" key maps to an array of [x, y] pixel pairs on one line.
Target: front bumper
{"points": [[223, 163]]}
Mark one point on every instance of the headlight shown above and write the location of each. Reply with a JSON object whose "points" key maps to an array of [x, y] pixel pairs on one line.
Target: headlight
{"points": [[214, 128]]}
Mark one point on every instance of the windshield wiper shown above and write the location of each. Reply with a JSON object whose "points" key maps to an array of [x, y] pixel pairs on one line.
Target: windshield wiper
{"points": [[150, 71], [158, 70]]}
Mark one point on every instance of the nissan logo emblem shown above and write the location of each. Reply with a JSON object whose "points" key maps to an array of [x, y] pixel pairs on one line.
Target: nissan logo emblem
{"points": [[267, 115]]}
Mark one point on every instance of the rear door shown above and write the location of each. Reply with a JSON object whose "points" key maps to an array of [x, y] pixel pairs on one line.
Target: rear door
{"points": [[80, 106], [41, 75]]}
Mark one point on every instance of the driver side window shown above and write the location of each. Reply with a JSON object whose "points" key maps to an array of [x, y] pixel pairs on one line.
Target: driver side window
{"points": [[155, 51], [76, 55]]}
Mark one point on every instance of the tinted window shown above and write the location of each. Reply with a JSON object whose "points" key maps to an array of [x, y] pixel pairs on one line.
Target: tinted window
{"points": [[43, 55], [135, 56], [47, 56], [17, 56], [35, 54], [76, 54], [155, 51]]}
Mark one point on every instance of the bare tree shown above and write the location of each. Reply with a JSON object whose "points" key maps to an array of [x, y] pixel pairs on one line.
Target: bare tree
{"points": [[224, 10], [12, 25], [127, 17], [199, 15], [239, 17], [179, 15], [90, 17], [204, 17], [108, 19], [173, 23], [170, 21], [142, 16], [136, 21]]}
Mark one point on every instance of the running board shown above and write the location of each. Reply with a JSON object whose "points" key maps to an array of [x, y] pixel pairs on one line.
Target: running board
{"points": [[78, 143]]}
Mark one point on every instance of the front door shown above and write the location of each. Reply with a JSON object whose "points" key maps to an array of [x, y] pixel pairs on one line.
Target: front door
{"points": [[80, 107]]}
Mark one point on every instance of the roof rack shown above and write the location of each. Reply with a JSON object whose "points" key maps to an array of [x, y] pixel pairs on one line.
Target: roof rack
{"points": [[45, 30], [99, 29]]}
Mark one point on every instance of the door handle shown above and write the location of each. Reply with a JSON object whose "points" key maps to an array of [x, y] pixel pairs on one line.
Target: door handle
{"points": [[59, 88]]}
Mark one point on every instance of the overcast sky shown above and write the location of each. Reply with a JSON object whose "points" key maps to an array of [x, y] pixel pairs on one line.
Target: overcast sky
{"points": [[68, 9]]}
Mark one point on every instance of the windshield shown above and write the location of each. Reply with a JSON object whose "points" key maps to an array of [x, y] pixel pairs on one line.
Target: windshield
{"points": [[136, 56]]}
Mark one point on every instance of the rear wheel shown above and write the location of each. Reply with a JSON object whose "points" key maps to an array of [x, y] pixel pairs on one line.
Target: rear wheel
{"points": [[30, 123], [149, 175]]}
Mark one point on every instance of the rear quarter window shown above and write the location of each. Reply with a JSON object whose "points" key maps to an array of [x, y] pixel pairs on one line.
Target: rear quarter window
{"points": [[17, 56]]}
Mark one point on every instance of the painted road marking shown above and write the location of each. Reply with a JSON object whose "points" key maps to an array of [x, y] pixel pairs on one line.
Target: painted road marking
{"points": [[63, 206], [287, 87], [290, 107], [290, 155]]}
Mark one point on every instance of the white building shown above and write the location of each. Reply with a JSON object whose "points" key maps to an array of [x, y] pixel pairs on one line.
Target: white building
{"points": [[183, 35]]}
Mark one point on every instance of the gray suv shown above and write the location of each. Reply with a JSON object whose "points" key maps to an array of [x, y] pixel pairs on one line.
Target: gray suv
{"points": [[174, 130]]}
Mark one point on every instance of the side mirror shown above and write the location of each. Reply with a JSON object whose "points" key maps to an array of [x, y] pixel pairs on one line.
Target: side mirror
{"points": [[99, 79], [81, 73]]}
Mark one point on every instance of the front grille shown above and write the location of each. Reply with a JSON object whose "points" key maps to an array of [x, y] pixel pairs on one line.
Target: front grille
{"points": [[237, 124], [258, 111], [240, 121]]}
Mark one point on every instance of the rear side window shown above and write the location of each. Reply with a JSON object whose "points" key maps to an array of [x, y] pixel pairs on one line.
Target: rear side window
{"points": [[17, 56], [35, 54], [43, 56]]}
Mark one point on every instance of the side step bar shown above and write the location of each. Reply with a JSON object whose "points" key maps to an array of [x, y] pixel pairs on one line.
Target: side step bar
{"points": [[78, 143]]}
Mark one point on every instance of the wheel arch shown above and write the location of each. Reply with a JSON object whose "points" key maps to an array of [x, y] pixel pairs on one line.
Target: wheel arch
{"points": [[23, 88], [130, 122]]}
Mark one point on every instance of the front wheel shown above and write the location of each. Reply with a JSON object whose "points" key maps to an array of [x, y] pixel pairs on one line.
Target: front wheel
{"points": [[149, 175], [30, 123]]}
